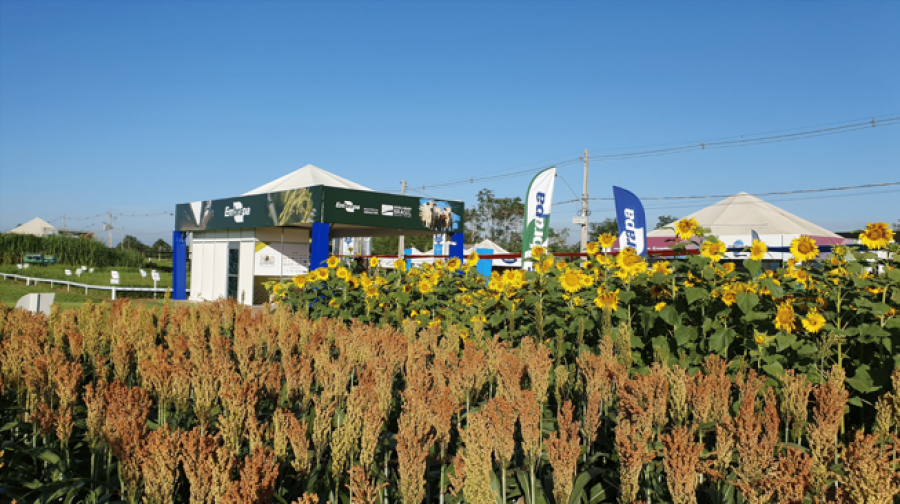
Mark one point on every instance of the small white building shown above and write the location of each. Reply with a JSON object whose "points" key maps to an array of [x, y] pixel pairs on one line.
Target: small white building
{"points": [[237, 244]]}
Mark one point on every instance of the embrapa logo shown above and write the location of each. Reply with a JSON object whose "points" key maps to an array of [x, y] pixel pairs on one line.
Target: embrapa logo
{"points": [[238, 212], [347, 205]]}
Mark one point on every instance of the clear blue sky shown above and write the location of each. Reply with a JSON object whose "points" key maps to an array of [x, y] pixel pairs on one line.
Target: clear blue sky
{"points": [[136, 106]]}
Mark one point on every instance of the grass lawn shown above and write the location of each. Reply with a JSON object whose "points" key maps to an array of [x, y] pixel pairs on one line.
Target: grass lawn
{"points": [[11, 291], [128, 277]]}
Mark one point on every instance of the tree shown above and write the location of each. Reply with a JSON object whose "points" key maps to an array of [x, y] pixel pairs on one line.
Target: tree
{"points": [[497, 219], [161, 246], [558, 241], [131, 243], [387, 245], [608, 225], [664, 220]]}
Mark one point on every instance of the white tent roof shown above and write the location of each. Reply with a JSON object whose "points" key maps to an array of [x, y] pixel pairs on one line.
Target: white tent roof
{"points": [[308, 176], [741, 213], [36, 227], [488, 244]]}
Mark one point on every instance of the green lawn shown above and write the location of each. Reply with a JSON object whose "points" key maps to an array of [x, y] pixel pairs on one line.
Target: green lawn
{"points": [[128, 277]]}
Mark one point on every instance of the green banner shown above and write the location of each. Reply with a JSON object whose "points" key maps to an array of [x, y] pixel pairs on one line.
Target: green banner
{"points": [[322, 204], [285, 208], [366, 208]]}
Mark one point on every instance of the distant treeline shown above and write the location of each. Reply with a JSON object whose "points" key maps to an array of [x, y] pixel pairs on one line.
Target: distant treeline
{"points": [[67, 249]]}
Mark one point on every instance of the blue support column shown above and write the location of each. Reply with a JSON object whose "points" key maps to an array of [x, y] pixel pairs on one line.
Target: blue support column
{"points": [[407, 253], [179, 266], [456, 246], [484, 265], [318, 248]]}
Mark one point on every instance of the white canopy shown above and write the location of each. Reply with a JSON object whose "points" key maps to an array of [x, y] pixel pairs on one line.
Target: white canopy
{"points": [[742, 213], [308, 176], [36, 227]]}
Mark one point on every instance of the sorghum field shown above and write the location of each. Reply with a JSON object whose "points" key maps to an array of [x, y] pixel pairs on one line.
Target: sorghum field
{"points": [[607, 379]]}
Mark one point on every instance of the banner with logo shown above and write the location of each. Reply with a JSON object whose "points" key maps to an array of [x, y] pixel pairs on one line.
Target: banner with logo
{"points": [[631, 221], [536, 229], [285, 208], [331, 205], [367, 208]]}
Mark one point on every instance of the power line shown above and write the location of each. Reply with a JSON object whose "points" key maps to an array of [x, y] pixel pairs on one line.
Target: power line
{"points": [[728, 142], [797, 191]]}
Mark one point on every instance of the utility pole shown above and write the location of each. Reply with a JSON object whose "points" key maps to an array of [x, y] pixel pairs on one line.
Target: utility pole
{"points": [[110, 228], [584, 206], [64, 222], [401, 248]]}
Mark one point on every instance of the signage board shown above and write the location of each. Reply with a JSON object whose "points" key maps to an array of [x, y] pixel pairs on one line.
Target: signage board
{"points": [[384, 210], [284, 208], [331, 205]]}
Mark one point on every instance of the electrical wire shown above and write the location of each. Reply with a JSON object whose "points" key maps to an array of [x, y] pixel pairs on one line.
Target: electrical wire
{"points": [[728, 142]]}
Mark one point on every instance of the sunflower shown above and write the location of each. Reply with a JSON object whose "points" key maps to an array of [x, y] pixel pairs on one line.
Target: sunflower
{"points": [[758, 250], [814, 322], [804, 248], [661, 267], [876, 236], [333, 262], [586, 280], [607, 240], [472, 260], [607, 300], [593, 248], [760, 339], [784, 319], [548, 263], [659, 306], [400, 265], [561, 265], [425, 287], [713, 250], [686, 228], [371, 291], [729, 298], [343, 273], [570, 281], [537, 252], [322, 274], [374, 262], [300, 281], [454, 264], [630, 262], [466, 300]]}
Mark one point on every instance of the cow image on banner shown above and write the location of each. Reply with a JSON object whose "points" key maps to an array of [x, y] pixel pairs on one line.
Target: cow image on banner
{"points": [[536, 229], [631, 221]]}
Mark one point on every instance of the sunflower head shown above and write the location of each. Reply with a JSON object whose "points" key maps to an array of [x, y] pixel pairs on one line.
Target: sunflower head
{"points": [[804, 249], [570, 280], [425, 287], [713, 250], [332, 262], [686, 228], [784, 318], [876, 236], [758, 250], [538, 252], [454, 264], [374, 262], [400, 265], [593, 248], [659, 306], [371, 291], [607, 240], [322, 274], [607, 300], [814, 322]]}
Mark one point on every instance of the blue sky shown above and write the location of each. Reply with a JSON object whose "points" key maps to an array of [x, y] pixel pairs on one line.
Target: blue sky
{"points": [[135, 106]]}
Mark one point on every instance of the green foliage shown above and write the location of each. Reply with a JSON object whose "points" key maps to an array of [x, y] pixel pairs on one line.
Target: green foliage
{"points": [[67, 249]]}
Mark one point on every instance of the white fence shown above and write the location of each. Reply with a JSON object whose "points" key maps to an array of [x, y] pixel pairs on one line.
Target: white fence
{"points": [[86, 287]]}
